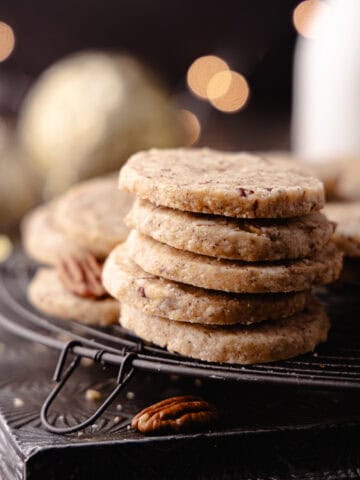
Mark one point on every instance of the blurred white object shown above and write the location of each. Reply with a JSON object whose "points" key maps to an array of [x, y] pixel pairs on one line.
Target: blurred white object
{"points": [[326, 113], [88, 112]]}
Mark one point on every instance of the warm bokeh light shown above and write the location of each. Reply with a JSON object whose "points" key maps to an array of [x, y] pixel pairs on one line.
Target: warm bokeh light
{"points": [[228, 91], [303, 16], [201, 71], [7, 41], [5, 247], [191, 125]]}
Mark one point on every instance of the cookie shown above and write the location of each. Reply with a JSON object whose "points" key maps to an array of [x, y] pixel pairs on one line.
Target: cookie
{"points": [[348, 187], [264, 342], [234, 276], [347, 233], [48, 295], [225, 237], [127, 282], [91, 214], [222, 183], [87, 217], [41, 238]]}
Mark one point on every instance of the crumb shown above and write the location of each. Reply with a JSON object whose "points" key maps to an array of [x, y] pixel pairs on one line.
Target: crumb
{"points": [[92, 395], [130, 395], [63, 337], [116, 419], [86, 362], [94, 427], [128, 427], [119, 406], [80, 434], [18, 402], [315, 354]]}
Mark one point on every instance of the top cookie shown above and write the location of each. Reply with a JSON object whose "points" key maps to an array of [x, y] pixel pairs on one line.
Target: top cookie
{"points": [[222, 183], [91, 214], [87, 217]]}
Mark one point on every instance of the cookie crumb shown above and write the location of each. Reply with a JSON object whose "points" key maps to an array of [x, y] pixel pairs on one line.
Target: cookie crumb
{"points": [[197, 382], [130, 395], [86, 362], [18, 402], [119, 406], [116, 419], [92, 395]]}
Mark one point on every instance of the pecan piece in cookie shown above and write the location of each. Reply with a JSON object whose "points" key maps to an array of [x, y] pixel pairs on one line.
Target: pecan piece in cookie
{"points": [[81, 275], [175, 414]]}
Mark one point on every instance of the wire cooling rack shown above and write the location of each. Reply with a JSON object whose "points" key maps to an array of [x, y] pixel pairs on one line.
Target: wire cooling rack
{"points": [[335, 364]]}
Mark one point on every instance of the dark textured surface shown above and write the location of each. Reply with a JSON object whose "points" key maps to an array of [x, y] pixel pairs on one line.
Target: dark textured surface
{"points": [[266, 431], [272, 433]]}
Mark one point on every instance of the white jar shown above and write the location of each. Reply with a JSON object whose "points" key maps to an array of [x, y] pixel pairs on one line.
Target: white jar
{"points": [[326, 108]]}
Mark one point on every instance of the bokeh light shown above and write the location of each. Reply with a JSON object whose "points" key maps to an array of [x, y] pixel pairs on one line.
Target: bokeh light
{"points": [[7, 41], [191, 126], [303, 16], [228, 91], [201, 71]]}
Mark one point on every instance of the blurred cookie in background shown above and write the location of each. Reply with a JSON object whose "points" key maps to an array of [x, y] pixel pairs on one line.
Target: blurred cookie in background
{"points": [[88, 217], [73, 234], [88, 112], [346, 215]]}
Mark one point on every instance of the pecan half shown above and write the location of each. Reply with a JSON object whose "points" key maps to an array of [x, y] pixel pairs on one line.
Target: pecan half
{"points": [[175, 414], [81, 275]]}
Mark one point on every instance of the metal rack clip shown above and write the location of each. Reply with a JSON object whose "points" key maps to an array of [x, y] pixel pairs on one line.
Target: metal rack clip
{"points": [[126, 371]]}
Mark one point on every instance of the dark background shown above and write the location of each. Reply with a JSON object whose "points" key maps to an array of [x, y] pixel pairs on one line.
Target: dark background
{"points": [[255, 37]]}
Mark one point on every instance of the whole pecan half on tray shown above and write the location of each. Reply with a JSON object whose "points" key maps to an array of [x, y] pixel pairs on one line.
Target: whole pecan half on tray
{"points": [[81, 274], [175, 414]]}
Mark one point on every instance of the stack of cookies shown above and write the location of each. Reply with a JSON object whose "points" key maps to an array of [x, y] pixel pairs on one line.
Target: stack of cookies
{"points": [[222, 256], [72, 235]]}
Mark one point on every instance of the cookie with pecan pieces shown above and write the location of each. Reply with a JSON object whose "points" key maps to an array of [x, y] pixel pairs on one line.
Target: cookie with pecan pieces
{"points": [[233, 238], [48, 294], [154, 295], [222, 183], [263, 342], [234, 276]]}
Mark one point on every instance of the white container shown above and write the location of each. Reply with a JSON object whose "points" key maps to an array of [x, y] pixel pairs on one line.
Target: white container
{"points": [[326, 108]]}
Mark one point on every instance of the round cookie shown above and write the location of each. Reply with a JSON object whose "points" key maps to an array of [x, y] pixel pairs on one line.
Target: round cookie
{"points": [[47, 294], [225, 237], [91, 214], [265, 342], [234, 276], [347, 233], [42, 240], [222, 183], [348, 187], [127, 282]]}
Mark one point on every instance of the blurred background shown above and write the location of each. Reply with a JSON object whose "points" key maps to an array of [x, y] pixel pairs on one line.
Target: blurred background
{"points": [[83, 84]]}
